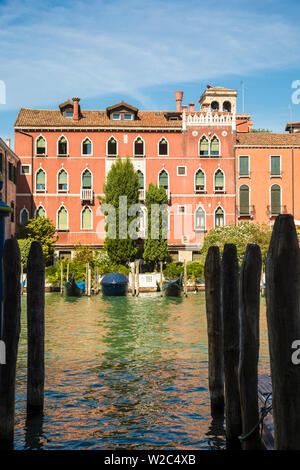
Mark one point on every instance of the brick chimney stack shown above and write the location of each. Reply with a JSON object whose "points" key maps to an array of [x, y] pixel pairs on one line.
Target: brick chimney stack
{"points": [[76, 108], [192, 107], [185, 108], [178, 98], [8, 142]]}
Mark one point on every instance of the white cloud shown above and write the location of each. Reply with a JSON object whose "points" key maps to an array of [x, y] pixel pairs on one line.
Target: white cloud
{"points": [[51, 52]]}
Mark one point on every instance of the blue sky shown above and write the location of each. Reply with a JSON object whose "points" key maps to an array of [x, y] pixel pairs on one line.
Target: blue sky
{"points": [[142, 51]]}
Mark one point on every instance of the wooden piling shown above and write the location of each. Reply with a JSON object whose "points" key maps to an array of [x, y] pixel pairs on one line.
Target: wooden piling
{"points": [[133, 279], [249, 346], [212, 274], [161, 277], [89, 282], [10, 336], [68, 268], [282, 297], [230, 314], [96, 279], [21, 276], [137, 272], [35, 327], [61, 278], [184, 279]]}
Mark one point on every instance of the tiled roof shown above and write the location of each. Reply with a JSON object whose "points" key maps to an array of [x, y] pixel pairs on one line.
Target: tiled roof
{"points": [[54, 118], [267, 139]]}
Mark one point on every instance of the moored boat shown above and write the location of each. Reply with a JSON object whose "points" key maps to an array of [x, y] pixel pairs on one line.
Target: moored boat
{"points": [[73, 288], [173, 288], [114, 284]]}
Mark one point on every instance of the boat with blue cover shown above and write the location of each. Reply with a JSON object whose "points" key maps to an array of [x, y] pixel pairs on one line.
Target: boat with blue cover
{"points": [[173, 288], [114, 284], [73, 288]]}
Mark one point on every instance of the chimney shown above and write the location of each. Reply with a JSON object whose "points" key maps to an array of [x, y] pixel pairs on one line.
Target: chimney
{"points": [[178, 98], [192, 107], [76, 108], [184, 108], [8, 142]]}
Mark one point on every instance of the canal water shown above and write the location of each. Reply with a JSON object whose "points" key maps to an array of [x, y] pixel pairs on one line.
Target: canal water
{"points": [[123, 373]]}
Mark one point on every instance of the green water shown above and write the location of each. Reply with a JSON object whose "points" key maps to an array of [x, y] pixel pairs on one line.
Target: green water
{"points": [[123, 373]]}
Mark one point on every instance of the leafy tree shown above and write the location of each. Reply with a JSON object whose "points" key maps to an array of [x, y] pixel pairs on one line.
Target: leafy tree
{"points": [[155, 250], [83, 254], [240, 235], [122, 180], [24, 245], [194, 270], [43, 230], [261, 130]]}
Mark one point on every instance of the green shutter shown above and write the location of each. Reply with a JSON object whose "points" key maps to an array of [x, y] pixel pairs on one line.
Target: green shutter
{"points": [[40, 180], [86, 218], [275, 165], [199, 178], [40, 212], [219, 180], [141, 180], [41, 143], [62, 219], [163, 179], [87, 180], [244, 166], [62, 177], [214, 146], [244, 200], [275, 199]]}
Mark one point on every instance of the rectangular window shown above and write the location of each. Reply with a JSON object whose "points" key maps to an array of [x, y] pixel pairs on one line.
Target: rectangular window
{"points": [[116, 116], [68, 114], [15, 174], [244, 165], [181, 171], [275, 165], [10, 171], [128, 117], [1, 161], [25, 170], [181, 209]]}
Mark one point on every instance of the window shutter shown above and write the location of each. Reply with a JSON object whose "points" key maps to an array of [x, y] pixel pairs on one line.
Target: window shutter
{"points": [[275, 199], [62, 178], [40, 180], [62, 219], [275, 165], [163, 179], [86, 218], [214, 146], [40, 143], [87, 180], [15, 174], [204, 146], [40, 212], [244, 166], [244, 200], [219, 180], [200, 178], [141, 180]]}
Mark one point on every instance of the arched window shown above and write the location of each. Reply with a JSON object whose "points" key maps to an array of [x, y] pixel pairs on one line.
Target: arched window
{"points": [[62, 146], [40, 180], [215, 146], [86, 179], [219, 181], [24, 216], [62, 219], [138, 147], [227, 107], [112, 147], [244, 200], [275, 199], [141, 179], [199, 181], [86, 218], [163, 180], [200, 219], [163, 147], [62, 181], [203, 146], [87, 147], [219, 217], [40, 146], [214, 106], [40, 212]]}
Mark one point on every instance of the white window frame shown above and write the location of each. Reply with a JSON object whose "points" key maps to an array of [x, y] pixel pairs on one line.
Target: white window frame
{"points": [[196, 229], [35, 212], [200, 169], [167, 154], [35, 146], [224, 214], [220, 150], [178, 209], [244, 176], [280, 159], [82, 176], [144, 147], [59, 190], [110, 155], [21, 171], [207, 138], [21, 211], [185, 170], [214, 181], [87, 154], [58, 154], [60, 207], [44, 190]]}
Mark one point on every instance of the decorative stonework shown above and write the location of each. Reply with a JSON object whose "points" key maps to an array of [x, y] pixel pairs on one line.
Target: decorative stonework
{"points": [[208, 119]]}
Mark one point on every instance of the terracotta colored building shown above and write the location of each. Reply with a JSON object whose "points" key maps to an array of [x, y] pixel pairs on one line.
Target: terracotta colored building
{"points": [[9, 168], [66, 154]]}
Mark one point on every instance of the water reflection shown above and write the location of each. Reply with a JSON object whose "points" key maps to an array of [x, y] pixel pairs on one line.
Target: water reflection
{"points": [[126, 373]]}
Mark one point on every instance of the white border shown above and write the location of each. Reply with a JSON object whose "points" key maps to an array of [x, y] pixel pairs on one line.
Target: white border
{"points": [[92, 221], [199, 169], [35, 212], [87, 154], [168, 146], [60, 207], [224, 190], [57, 153], [112, 155], [195, 213], [20, 215], [57, 188], [35, 146], [36, 172], [221, 207], [144, 147]]}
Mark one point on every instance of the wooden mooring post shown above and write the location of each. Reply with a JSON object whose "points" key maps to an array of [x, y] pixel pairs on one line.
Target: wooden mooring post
{"points": [[184, 279], [21, 276], [212, 274], [137, 273], [161, 277], [283, 307], [61, 278], [96, 281], [249, 346], [10, 338], [68, 269], [133, 279], [35, 327], [231, 325]]}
